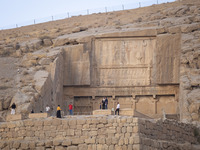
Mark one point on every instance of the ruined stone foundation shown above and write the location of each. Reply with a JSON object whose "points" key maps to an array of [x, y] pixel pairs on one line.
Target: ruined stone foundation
{"points": [[97, 133]]}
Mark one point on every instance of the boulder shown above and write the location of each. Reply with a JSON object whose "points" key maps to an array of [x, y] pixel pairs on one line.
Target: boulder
{"points": [[193, 96], [45, 61], [47, 42], [174, 29], [6, 103], [79, 29], [190, 27]]}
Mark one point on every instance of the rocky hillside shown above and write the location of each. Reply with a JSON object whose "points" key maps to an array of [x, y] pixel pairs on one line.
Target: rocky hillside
{"points": [[29, 54]]}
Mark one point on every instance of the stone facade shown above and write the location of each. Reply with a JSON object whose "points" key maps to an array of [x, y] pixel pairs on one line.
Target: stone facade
{"points": [[97, 133], [134, 68]]}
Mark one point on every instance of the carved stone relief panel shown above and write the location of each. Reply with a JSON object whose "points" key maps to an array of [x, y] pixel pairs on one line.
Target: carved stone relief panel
{"points": [[124, 61], [166, 62], [76, 66]]}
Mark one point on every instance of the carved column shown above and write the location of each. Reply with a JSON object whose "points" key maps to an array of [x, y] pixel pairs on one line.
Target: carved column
{"points": [[134, 102], [93, 102], [155, 100]]}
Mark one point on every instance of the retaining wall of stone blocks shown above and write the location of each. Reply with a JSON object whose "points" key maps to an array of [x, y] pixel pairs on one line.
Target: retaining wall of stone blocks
{"points": [[95, 133]]}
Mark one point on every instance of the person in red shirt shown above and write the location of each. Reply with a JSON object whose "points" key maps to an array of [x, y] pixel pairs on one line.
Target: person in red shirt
{"points": [[70, 109]]}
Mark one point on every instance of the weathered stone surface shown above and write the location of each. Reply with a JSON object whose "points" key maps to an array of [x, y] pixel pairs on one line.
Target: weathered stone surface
{"points": [[14, 117], [47, 42], [45, 61], [190, 27], [102, 112], [38, 115], [76, 71], [127, 112]]}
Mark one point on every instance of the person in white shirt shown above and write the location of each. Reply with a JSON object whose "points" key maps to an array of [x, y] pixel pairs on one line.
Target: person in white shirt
{"points": [[117, 108], [47, 108]]}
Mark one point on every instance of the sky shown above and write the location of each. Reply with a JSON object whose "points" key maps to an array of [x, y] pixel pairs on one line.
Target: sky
{"points": [[23, 12]]}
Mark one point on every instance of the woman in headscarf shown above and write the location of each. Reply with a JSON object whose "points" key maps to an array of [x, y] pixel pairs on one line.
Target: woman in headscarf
{"points": [[58, 112]]}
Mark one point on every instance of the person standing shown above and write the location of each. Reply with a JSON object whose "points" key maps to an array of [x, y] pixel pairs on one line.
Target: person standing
{"points": [[47, 108], [70, 109], [58, 112], [103, 103], [117, 108], [13, 107], [106, 103]]}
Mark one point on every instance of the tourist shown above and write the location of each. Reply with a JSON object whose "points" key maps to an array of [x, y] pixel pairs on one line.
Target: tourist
{"points": [[13, 107], [103, 103], [117, 108], [58, 112], [100, 105], [47, 109], [70, 109], [106, 103]]}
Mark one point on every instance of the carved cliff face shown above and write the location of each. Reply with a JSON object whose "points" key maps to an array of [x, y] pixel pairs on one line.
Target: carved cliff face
{"points": [[128, 68]]}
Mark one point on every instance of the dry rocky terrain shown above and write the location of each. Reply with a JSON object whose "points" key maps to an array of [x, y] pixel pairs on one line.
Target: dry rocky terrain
{"points": [[29, 53]]}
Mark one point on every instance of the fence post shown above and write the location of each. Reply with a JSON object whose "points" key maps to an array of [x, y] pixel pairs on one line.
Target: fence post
{"points": [[139, 4], [106, 9], [52, 18], [88, 11], [122, 7]]}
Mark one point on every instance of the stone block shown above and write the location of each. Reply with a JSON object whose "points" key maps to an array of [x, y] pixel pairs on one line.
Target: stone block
{"points": [[90, 141], [14, 117], [24, 145], [16, 144], [67, 143], [59, 148], [57, 142], [38, 115], [102, 112], [81, 121], [82, 147], [72, 148], [126, 112], [48, 143], [77, 141]]}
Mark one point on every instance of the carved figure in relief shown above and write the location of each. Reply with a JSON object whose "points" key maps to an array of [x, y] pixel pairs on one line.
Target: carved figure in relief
{"points": [[128, 53], [123, 54], [139, 57]]}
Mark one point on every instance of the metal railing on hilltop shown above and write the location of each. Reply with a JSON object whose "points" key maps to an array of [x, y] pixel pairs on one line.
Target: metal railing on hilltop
{"points": [[87, 12]]}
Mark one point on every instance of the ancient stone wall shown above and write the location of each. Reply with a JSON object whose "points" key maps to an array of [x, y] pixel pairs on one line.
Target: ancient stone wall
{"points": [[96, 132]]}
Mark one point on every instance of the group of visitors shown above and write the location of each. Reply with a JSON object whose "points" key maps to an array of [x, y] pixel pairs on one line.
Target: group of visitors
{"points": [[104, 104], [58, 113]]}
